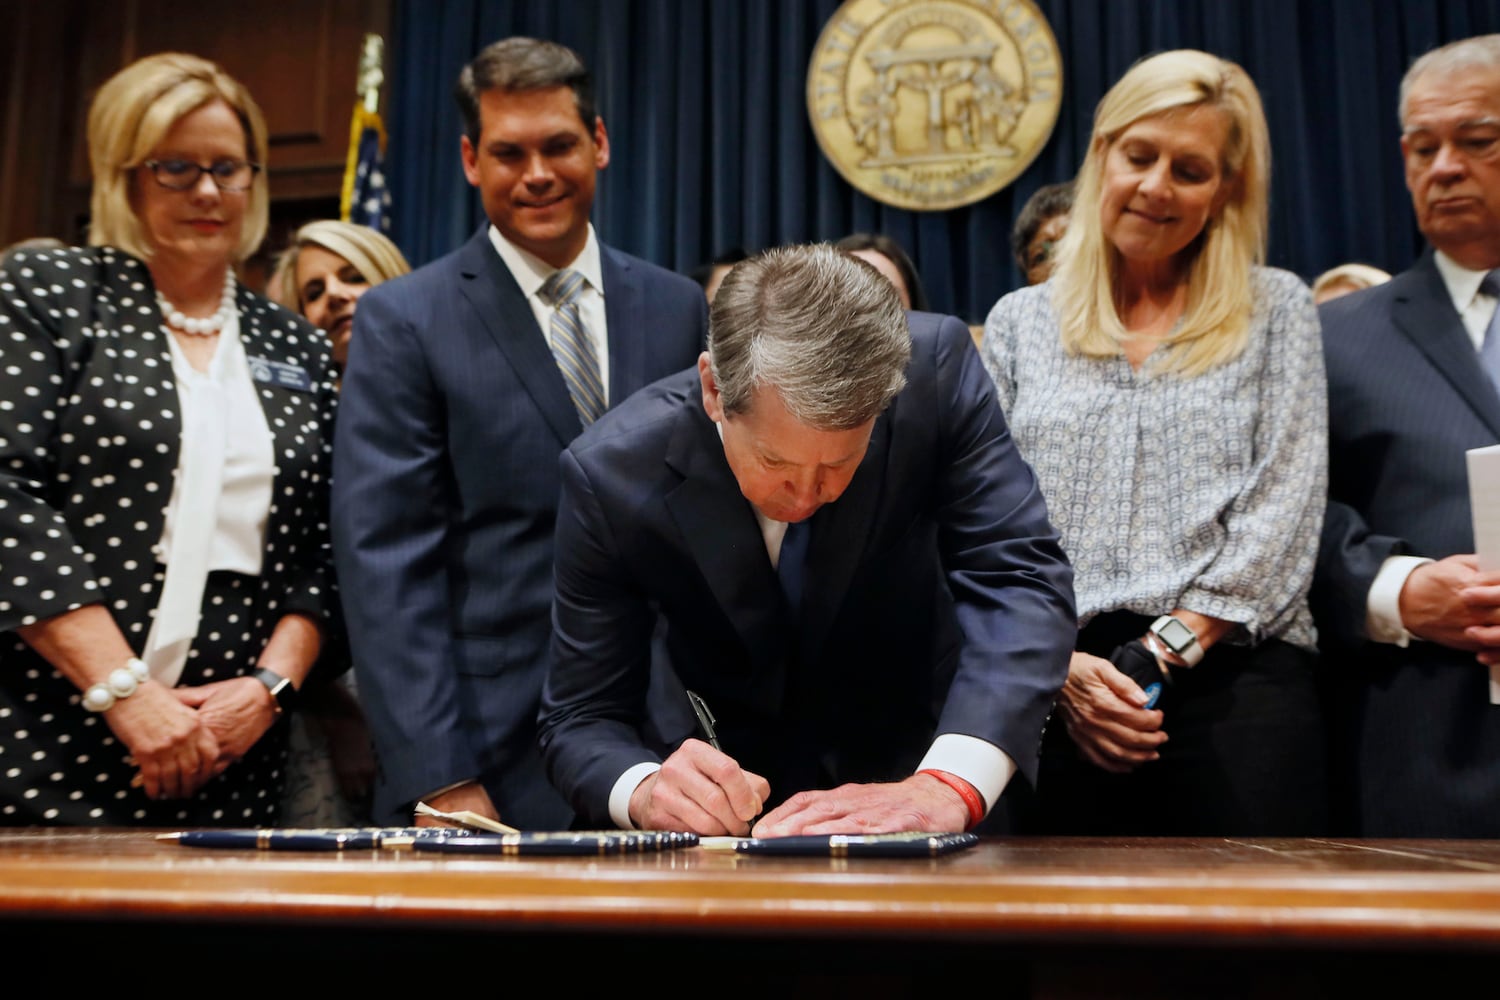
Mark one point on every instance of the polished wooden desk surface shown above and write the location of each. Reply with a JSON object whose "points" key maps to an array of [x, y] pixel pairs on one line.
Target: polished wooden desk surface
{"points": [[1215, 892]]}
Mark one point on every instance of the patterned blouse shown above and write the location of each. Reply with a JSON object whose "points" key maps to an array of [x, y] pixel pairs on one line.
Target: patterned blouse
{"points": [[1203, 492]]}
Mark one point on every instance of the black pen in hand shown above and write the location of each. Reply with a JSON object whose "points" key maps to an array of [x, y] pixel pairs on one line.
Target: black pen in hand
{"points": [[706, 719], [706, 723]]}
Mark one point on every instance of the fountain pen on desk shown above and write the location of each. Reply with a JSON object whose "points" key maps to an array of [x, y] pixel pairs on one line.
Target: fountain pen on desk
{"points": [[331, 839], [840, 845]]}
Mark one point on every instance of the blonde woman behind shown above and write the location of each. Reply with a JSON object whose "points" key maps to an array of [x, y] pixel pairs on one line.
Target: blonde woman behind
{"points": [[329, 265], [1169, 392], [322, 275], [1346, 278]]}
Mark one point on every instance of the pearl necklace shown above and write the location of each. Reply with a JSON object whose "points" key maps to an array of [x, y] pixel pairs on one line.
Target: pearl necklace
{"points": [[209, 325]]}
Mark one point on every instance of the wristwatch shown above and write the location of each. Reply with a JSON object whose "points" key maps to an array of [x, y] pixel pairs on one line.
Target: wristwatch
{"points": [[1179, 639], [281, 689]]}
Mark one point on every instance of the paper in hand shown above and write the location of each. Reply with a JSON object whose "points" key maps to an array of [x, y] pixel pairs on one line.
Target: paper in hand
{"points": [[1484, 499]]}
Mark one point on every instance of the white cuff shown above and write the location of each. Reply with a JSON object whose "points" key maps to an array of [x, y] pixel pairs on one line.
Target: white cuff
{"points": [[1383, 605], [625, 785], [979, 762]]}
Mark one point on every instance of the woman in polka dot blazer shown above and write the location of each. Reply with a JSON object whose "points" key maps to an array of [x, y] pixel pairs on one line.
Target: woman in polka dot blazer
{"points": [[165, 440]]}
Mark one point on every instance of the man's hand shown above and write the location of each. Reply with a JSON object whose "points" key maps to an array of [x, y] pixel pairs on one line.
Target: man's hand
{"points": [[919, 804], [1453, 604], [468, 797], [700, 790], [1104, 713]]}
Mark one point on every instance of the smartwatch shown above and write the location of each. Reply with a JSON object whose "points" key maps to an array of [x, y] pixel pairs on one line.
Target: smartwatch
{"points": [[281, 689], [1179, 639]]}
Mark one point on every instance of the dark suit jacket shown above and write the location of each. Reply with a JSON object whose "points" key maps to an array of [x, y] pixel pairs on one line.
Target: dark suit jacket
{"points": [[938, 598], [452, 415], [1407, 397]]}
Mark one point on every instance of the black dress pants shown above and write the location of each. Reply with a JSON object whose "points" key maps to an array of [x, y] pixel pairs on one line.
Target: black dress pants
{"points": [[1244, 755]]}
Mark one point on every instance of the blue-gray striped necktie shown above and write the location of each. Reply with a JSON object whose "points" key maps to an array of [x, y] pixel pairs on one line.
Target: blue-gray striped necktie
{"points": [[573, 347], [1489, 351]]}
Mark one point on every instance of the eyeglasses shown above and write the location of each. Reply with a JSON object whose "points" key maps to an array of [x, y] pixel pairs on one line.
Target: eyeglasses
{"points": [[183, 175]]}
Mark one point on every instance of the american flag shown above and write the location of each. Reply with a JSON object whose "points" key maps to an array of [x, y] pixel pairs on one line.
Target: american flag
{"points": [[366, 199]]}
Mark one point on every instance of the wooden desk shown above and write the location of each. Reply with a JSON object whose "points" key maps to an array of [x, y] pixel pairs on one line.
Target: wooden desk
{"points": [[1055, 917]]}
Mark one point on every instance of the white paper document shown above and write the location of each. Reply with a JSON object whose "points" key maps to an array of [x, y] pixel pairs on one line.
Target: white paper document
{"points": [[465, 818], [1484, 498]]}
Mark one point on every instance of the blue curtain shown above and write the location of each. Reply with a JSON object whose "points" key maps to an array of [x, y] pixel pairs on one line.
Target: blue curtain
{"points": [[711, 147]]}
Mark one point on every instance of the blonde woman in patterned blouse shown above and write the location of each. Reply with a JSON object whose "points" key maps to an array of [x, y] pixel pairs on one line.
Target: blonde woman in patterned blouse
{"points": [[164, 456], [1168, 390]]}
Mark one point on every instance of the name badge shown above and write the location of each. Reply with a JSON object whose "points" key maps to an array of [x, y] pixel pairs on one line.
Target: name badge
{"points": [[281, 374]]}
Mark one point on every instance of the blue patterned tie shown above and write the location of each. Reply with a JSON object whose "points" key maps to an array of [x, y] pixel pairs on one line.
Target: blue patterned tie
{"points": [[573, 347], [1489, 352]]}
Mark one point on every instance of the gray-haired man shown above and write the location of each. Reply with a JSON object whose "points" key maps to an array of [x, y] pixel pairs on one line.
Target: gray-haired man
{"points": [[851, 564], [1407, 621]]}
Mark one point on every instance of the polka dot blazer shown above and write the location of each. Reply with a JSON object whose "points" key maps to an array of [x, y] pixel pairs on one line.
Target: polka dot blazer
{"points": [[89, 438]]}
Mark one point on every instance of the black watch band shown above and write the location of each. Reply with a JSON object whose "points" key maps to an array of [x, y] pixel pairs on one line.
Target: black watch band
{"points": [[280, 687]]}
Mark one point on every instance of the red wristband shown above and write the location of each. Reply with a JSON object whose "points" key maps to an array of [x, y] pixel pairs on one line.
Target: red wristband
{"points": [[963, 788]]}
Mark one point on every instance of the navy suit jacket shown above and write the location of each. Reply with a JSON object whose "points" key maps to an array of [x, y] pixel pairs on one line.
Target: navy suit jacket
{"points": [[452, 415], [938, 599], [1407, 397]]}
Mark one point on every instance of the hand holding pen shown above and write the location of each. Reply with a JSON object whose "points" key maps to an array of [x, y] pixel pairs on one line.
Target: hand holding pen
{"points": [[699, 790]]}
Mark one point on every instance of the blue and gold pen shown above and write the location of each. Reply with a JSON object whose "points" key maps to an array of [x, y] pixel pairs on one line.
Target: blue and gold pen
{"points": [[333, 839], [840, 845]]}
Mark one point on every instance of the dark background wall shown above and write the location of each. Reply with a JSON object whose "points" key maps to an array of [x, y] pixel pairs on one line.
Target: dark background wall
{"points": [[706, 110], [711, 145], [299, 58]]}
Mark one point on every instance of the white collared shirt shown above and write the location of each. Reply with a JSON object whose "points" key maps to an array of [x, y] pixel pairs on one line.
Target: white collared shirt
{"points": [[531, 273], [1474, 307], [239, 541]]}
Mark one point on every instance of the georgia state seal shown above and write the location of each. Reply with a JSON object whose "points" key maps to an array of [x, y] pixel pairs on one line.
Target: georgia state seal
{"points": [[933, 104]]}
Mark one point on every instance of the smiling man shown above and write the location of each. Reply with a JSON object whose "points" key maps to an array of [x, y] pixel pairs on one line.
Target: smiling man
{"points": [[827, 529], [1406, 620], [466, 379]]}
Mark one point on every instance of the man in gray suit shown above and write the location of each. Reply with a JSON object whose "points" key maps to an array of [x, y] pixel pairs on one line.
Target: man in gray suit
{"points": [[1407, 621], [466, 379]]}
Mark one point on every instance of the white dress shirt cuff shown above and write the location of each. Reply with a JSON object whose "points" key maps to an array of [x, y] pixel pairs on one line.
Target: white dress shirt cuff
{"points": [[979, 762], [619, 796], [1383, 606]]}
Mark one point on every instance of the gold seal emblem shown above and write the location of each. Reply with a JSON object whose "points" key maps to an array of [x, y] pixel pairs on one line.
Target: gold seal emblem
{"points": [[932, 105]]}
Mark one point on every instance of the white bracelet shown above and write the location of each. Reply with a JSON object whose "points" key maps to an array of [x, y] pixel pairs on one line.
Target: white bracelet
{"points": [[122, 682]]}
